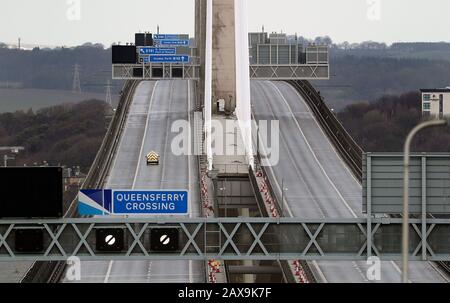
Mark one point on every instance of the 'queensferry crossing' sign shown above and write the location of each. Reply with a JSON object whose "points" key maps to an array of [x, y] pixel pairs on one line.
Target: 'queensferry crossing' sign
{"points": [[100, 202]]}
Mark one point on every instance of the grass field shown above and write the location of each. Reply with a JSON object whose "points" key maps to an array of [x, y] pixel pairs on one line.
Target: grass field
{"points": [[24, 99]]}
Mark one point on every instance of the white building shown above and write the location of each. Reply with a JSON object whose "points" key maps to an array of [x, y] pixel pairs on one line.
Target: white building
{"points": [[436, 102]]}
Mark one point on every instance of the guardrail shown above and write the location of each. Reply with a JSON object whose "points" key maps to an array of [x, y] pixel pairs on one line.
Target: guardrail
{"points": [[346, 146], [100, 167], [348, 149], [51, 272]]}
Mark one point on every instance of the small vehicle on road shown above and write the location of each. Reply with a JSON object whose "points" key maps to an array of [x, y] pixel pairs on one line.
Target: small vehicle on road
{"points": [[152, 158]]}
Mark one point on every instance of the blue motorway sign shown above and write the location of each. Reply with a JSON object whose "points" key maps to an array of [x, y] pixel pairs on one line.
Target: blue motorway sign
{"points": [[150, 202], [157, 51], [163, 37], [131, 202], [166, 59], [173, 42]]}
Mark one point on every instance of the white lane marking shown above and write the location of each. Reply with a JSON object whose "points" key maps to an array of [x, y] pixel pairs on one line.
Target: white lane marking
{"points": [[163, 162], [332, 146], [191, 278], [108, 183], [108, 272], [314, 155], [351, 174], [297, 169], [398, 269], [320, 272], [137, 168], [291, 214], [351, 210], [443, 275], [149, 272], [145, 135], [358, 269], [317, 161]]}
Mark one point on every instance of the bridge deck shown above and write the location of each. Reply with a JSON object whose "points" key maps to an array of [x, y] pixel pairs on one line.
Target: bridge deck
{"points": [[318, 182]]}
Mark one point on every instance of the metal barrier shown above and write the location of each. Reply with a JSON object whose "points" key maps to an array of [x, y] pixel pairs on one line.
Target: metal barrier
{"points": [[50, 272], [156, 71], [348, 149]]}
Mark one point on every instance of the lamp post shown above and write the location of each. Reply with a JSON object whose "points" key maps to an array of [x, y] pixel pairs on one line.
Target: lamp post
{"points": [[405, 224], [224, 197], [283, 189]]}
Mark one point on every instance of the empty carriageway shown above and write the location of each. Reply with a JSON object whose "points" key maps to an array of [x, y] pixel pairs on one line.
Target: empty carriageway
{"points": [[155, 106], [317, 183]]}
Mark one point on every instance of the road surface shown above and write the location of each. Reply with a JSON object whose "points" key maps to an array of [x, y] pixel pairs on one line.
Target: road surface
{"points": [[155, 106], [317, 182]]}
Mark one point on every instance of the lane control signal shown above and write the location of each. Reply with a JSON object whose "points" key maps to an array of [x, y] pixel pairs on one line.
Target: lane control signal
{"points": [[29, 240], [110, 239], [164, 239]]}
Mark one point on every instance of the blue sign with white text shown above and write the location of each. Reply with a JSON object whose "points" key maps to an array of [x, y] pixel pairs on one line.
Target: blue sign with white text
{"points": [[150, 202], [162, 36], [157, 51], [166, 59], [172, 42], [100, 202]]}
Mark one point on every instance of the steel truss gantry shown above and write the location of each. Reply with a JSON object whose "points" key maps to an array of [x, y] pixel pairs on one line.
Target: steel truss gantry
{"points": [[192, 71], [233, 239], [155, 71], [290, 72]]}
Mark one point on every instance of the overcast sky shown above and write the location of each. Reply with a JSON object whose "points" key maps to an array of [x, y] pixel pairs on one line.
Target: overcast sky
{"points": [[56, 22]]}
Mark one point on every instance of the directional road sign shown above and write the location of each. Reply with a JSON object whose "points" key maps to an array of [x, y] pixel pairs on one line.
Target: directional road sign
{"points": [[163, 37], [172, 42], [157, 51], [166, 59]]}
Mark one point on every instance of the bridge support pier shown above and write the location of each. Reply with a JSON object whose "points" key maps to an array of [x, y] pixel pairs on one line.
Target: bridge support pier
{"points": [[222, 40]]}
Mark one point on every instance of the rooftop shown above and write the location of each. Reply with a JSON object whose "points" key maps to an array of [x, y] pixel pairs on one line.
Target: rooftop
{"points": [[435, 90]]}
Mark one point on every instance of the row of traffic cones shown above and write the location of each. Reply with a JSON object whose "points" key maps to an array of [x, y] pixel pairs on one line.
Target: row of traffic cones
{"points": [[214, 268], [270, 204], [299, 272], [264, 189], [208, 210], [207, 207]]}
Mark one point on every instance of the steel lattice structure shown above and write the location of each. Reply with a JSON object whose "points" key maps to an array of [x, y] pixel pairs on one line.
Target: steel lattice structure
{"points": [[234, 239]]}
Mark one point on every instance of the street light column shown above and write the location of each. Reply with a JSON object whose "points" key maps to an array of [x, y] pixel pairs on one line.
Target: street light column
{"points": [[405, 225]]}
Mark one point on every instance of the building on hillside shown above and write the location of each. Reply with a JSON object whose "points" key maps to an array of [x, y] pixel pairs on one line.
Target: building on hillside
{"points": [[436, 102]]}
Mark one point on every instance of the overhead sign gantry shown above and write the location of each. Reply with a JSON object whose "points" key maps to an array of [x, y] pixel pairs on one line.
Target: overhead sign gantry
{"points": [[157, 57], [221, 239]]}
